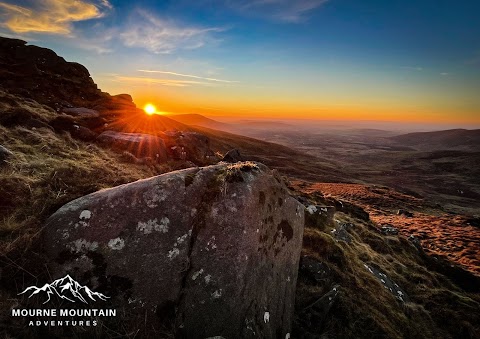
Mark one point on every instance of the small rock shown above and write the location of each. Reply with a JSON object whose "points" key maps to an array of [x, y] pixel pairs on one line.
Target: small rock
{"points": [[5, 153], [81, 112], [315, 269], [340, 233], [83, 133], [389, 230], [405, 213], [319, 217], [233, 156], [388, 283], [416, 242]]}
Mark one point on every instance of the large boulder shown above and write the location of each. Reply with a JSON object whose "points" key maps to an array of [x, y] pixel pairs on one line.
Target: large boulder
{"points": [[186, 145], [219, 245], [140, 145]]}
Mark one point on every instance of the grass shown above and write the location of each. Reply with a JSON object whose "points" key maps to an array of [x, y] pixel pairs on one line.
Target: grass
{"points": [[437, 308]]}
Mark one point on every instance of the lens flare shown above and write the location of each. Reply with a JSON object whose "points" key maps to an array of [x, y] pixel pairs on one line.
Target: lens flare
{"points": [[150, 109]]}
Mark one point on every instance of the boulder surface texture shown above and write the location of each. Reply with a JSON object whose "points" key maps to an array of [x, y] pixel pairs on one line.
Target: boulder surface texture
{"points": [[220, 245]]}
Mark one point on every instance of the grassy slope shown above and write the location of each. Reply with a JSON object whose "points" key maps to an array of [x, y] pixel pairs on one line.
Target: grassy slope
{"points": [[49, 169], [442, 303]]}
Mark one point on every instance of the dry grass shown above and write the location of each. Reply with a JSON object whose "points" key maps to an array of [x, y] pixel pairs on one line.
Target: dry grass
{"points": [[437, 308]]}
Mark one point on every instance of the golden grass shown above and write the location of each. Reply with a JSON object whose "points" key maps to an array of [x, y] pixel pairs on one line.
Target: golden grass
{"points": [[47, 170]]}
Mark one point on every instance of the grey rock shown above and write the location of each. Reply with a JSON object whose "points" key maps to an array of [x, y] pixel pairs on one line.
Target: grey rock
{"points": [[416, 242], [140, 145], [389, 230], [221, 243], [233, 156], [340, 233], [314, 269], [83, 133], [388, 283], [5, 153], [190, 146], [81, 112], [196, 146], [319, 216]]}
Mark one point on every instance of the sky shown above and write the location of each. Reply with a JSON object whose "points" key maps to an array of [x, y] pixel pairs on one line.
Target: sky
{"points": [[415, 61]]}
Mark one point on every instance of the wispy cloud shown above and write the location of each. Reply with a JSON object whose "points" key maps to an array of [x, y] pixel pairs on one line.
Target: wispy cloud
{"points": [[187, 76], [413, 68], [292, 11], [49, 16], [163, 82], [163, 36]]}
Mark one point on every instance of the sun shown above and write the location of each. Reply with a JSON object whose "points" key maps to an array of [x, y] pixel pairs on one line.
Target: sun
{"points": [[150, 109]]}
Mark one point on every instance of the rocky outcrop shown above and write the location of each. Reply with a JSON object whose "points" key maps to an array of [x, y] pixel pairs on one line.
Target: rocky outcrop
{"points": [[219, 244], [40, 74], [140, 145]]}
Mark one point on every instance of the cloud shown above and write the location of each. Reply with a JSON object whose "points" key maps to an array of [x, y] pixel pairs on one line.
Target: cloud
{"points": [[163, 82], [163, 37], [413, 68], [49, 16], [187, 76], [292, 11]]}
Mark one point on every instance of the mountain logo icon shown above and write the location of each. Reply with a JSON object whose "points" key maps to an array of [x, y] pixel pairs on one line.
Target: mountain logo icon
{"points": [[65, 288]]}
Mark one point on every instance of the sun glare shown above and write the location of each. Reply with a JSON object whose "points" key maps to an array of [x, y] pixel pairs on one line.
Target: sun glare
{"points": [[150, 109]]}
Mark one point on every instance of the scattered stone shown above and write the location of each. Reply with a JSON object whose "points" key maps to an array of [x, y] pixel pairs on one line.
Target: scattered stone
{"points": [[405, 213], [416, 242], [315, 269], [5, 153], [63, 123], [81, 112], [351, 209], [222, 251], [140, 145], [319, 217], [233, 156], [387, 283], [340, 233], [389, 230], [83, 133]]}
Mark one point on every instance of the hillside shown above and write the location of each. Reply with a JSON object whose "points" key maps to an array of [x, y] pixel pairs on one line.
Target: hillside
{"points": [[461, 139], [356, 278], [200, 120]]}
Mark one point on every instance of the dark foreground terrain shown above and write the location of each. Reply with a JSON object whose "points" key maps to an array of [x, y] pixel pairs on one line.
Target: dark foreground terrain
{"points": [[378, 261]]}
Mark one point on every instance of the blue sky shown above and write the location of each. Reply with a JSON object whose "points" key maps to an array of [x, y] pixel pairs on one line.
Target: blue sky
{"points": [[335, 59]]}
